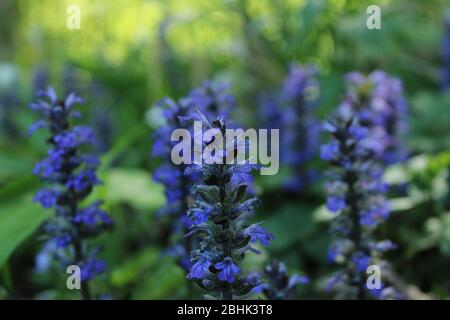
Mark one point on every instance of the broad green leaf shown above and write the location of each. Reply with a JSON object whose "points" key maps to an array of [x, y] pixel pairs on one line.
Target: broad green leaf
{"points": [[11, 165], [122, 144], [402, 204], [396, 174], [167, 281], [322, 214], [134, 267], [133, 186], [21, 185], [18, 219], [291, 224], [429, 123]]}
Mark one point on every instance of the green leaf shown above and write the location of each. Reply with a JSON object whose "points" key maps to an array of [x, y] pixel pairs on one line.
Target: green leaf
{"points": [[12, 164], [290, 225], [403, 203], [167, 281], [130, 271], [322, 214], [122, 144], [18, 219], [429, 122], [132, 186]]}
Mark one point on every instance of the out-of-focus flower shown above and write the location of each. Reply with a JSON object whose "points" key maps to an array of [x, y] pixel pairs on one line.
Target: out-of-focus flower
{"points": [[177, 183], [355, 195], [292, 111], [378, 102], [70, 175], [213, 99], [279, 285]]}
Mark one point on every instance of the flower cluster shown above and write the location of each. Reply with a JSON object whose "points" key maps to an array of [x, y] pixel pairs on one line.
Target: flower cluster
{"points": [[378, 102], [280, 285], [292, 111], [70, 174], [177, 184], [356, 196], [212, 99], [219, 215]]}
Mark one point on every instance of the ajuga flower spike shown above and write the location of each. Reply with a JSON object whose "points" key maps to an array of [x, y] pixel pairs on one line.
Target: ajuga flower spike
{"points": [[70, 175], [220, 216]]}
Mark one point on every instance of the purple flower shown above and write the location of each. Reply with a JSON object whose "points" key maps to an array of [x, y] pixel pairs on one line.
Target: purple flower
{"points": [[174, 195], [383, 246], [242, 174], [219, 211], [333, 253], [36, 126], [373, 216], [200, 215], [228, 270], [64, 240], [85, 135], [200, 268], [93, 218], [329, 151], [298, 80], [92, 268], [90, 160], [167, 175], [333, 281], [176, 181], [356, 192], [377, 293], [83, 180], [71, 174], [279, 285], [50, 167], [213, 99], [78, 136], [335, 204], [48, 198], [297, 279], [362, 261], [357, 132], [291, 110], [378, 102], [355, 78], [67, 140], [256, 232]]}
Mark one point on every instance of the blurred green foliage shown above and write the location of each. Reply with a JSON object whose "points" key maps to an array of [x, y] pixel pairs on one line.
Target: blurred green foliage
{"points": [[140, 51]]}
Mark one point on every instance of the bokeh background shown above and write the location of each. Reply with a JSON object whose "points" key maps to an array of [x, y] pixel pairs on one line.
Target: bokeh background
{"points": [[130, 54]]}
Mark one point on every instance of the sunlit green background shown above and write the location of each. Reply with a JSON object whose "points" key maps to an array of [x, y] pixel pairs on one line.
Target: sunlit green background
{"points": [[139, 51]]}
